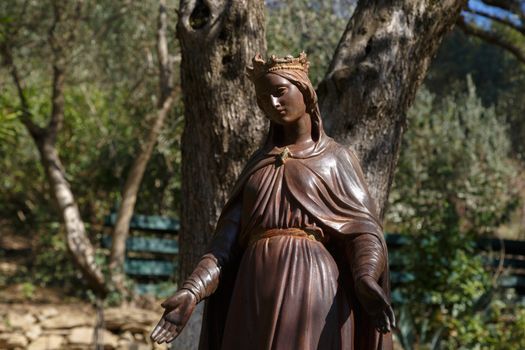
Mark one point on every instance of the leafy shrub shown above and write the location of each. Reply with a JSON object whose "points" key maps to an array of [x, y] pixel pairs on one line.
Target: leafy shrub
{"points": [[453, 184]]}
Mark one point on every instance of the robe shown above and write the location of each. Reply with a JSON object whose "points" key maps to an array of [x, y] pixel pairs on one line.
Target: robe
{"points": [[288, 292]]}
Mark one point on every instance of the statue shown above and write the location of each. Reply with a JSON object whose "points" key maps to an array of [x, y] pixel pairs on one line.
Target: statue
{"points": [[298, 259]]}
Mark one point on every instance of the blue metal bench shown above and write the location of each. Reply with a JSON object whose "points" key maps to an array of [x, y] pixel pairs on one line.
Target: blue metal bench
{"points": [[150, 261]]}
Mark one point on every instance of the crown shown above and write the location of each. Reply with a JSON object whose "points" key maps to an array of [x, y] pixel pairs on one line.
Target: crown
{"points": [[261, 67]]}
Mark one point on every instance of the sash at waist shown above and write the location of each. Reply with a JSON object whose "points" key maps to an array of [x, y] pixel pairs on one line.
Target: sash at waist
{"points": [[312, 235]]}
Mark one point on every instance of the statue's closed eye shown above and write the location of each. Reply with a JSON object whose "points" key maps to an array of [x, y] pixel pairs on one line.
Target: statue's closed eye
{"points": [[281, 91]]}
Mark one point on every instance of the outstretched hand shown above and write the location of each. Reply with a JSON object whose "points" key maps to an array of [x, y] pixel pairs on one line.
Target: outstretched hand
{"points": [[178, 310], [376, 304]]}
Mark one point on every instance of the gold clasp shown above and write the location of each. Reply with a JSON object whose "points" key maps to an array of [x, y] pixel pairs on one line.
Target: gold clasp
{"points": [[283, 156]]}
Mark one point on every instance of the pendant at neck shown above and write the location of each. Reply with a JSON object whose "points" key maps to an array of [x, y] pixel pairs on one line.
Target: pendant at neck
{"points": [[282, 157]]}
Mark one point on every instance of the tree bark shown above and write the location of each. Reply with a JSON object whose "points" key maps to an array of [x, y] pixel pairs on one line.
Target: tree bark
{"points": [[78, 243], [377, 68], [223, 124], [136, 173]]}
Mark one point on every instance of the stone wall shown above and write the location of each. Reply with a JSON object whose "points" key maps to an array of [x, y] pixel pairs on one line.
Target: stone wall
{"points": [[72, 327]]}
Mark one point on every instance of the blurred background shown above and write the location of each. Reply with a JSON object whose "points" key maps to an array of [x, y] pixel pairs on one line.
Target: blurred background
{"points": [[456, 213]]}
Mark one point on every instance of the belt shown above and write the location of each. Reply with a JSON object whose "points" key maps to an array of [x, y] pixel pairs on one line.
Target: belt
{"points": [[309, 234]]}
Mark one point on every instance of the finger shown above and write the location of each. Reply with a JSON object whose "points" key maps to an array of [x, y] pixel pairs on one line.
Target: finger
{"points": [[163, 335], [382, 324], [175, 335], [158, 328], [170, 332], [174, 332], [387, 322], [379, 323], [153, 334], [158, 339], [172, 338], [381, 328], [391, 316]]}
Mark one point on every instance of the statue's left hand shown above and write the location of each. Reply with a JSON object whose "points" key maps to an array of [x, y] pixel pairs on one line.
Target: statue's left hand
{"points": [[376, 304]]}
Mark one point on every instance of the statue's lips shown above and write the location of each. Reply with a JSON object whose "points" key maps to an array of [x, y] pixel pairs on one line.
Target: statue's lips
{"points": [[281, 111]]}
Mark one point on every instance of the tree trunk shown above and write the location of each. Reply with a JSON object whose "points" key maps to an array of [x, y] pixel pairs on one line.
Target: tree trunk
{"points": [[377, 68], [223, 124], [135, 175]]}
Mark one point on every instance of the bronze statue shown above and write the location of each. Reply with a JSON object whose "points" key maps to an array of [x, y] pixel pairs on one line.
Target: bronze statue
{"points": [[298, 259]]}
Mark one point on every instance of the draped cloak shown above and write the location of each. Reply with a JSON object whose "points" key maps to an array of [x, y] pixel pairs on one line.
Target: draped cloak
{"points": [[325, 180], [328, 183]]}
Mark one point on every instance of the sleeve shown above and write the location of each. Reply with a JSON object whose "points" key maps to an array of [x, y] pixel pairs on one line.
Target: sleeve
{"points": [[204, 279], [223, 245], [366, 253], [366, 257]]}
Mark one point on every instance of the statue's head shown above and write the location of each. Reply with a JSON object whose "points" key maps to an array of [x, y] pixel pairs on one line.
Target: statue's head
{"points": [[285, 79]]}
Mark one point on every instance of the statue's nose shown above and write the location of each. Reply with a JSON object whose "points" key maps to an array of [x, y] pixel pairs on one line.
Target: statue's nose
{"points": [[275, 101]]}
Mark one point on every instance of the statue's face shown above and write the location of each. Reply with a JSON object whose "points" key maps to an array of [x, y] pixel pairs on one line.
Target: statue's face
{"points": [[281, 101]]}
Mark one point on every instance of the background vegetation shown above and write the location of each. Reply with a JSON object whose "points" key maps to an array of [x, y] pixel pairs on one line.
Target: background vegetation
{"points": [[460, 174]]}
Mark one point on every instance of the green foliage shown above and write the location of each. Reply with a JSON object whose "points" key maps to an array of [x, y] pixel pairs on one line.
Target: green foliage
{"points": [[108, 102], [493, 70], [110, 88], [28, 290], [453, 184], [499, 77], [455, 167], [312, 26], [10, 128]]}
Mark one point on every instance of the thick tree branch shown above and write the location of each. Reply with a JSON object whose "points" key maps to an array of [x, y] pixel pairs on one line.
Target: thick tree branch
{"points": [[492, 38], [508, 5], [378, 66], [503, 21]]}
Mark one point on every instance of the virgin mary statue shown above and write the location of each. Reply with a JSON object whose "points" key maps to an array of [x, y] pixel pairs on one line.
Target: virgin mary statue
{"points": [[298, 259]]}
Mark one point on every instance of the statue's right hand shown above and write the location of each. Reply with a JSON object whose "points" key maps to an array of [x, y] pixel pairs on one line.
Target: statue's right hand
{"points": [[178, 310]]}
